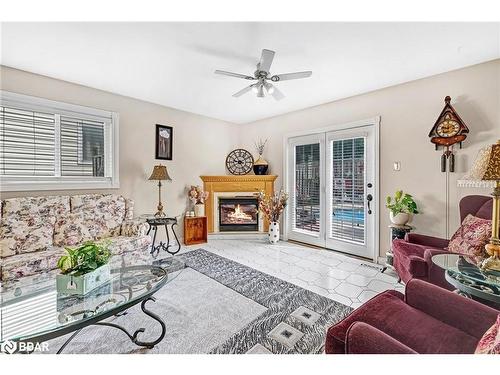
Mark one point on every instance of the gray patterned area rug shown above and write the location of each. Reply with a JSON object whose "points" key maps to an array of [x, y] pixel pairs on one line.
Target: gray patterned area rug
{"points": [[295, 320], [216, 305]]}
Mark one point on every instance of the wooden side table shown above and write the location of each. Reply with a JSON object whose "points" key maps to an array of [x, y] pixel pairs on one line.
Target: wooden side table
{"points": [[195, 230], [397, 232]]}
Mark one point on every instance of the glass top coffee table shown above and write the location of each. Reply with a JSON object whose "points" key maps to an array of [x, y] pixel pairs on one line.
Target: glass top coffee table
{"points": [[469, 279], [32, 311]]}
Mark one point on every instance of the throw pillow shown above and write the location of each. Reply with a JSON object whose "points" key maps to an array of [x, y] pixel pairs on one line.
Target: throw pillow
{"points": [[490, 342], [471, 237], [25, 234], [71, 229]]}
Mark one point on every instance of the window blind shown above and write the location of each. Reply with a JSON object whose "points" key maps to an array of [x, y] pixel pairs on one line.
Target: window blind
{"points": [[82, 147], [27, 142], [306, 200], [47, 145], [348, 189]]}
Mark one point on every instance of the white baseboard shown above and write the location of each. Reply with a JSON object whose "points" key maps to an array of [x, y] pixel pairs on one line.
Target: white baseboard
{"points": [[237, 236]]}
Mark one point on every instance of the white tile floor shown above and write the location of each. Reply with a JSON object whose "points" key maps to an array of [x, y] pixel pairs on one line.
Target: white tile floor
{"points": [[342, 278]]}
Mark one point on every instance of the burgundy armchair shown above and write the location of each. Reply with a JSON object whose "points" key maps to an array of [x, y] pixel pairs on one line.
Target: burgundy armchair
{"points": [[428, 320], [413, 255]]}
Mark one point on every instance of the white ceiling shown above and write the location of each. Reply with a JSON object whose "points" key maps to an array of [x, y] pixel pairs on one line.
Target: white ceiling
{"points": [[173, 63]]}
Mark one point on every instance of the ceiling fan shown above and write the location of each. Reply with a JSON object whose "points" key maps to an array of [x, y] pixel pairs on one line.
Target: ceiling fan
{"points": [[262, 76]]}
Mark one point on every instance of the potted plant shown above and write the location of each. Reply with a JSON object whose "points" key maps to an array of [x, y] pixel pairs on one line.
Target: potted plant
{"points": [[401, 207], [272, 207], [84, 268], [198, 197], [260, 166]]}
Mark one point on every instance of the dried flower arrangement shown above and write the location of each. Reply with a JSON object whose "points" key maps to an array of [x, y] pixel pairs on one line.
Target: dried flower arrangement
{"points": [[272, 206], [197, 195], [259, 146]]}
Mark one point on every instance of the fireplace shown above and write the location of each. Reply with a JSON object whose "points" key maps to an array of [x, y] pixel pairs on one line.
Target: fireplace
{"points": [[238, 214]]}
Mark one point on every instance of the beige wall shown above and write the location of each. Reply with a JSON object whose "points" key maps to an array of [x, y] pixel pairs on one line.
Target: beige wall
{"points": [[200, 143], [407, 113]]}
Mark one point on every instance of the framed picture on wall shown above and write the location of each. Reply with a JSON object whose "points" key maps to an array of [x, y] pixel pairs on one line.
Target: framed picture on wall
{"points": [[164, 142]]}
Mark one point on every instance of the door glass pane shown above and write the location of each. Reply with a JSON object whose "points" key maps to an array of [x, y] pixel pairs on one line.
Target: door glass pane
{"points": [[348, 190], [307, 188]]}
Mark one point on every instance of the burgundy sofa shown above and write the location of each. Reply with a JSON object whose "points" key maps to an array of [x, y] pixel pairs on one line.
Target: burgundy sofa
{"points": [[413, 255], [428, 320]]}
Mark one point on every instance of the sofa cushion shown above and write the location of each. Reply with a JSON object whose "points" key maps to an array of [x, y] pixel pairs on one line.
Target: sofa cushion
{"points": [[490, 342], [36, 206], [26, 234], [30, 263], [43, 261], [129, 209], [72, 229], [413, 328], [107, 212], [122, 244], [134, 227], [471, 237]]}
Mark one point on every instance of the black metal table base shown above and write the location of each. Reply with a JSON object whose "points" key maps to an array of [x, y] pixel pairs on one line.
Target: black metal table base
{"points": [[155, 249], [134, 336]]}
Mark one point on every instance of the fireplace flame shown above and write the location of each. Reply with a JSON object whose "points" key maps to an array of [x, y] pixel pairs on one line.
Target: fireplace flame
{"points": [[238, 214]]}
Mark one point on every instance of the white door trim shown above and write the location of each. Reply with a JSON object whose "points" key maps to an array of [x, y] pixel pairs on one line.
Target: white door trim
{"points": [[375, 122]]}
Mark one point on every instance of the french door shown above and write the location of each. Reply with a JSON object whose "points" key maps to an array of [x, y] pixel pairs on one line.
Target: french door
{"points": [[331, 181]]}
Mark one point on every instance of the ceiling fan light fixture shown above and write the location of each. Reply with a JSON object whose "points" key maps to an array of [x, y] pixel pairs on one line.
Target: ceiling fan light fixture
{"points": [[262, 75], [260, 92], [269, 88]]}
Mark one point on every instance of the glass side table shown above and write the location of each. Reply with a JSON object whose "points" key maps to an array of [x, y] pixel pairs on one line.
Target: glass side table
{"points": [[469, 279]]}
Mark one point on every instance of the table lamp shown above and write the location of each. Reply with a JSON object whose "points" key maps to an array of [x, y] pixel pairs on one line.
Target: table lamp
{"points": [[159, 174], [486, 173]]}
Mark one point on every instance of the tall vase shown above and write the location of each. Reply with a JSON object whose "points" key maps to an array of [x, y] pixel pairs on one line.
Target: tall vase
{"points": [[199, 210], [260, 166], [274, 232]]}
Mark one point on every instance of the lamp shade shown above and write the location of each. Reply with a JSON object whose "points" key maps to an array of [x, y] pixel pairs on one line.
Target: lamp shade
{"points": [[160, 173], [486, 168]]}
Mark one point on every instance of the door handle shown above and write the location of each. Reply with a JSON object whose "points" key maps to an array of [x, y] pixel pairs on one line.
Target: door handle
{"points": [[369, 198]]}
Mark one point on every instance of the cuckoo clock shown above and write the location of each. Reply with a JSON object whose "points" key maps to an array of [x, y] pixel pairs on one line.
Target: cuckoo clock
{"points": [[448, 130]]}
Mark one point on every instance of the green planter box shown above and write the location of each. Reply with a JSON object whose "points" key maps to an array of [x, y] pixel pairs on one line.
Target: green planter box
{"points": [[83, 284]]}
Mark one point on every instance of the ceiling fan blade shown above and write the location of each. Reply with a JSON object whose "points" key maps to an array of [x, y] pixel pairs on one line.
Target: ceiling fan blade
{"points": [[277, 94], [266, 60], [244, 91], [288, 76], [231, 74]]}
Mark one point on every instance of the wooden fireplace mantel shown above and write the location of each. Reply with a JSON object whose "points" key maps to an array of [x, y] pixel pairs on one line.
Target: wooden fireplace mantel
{"points": [[229, 183]]}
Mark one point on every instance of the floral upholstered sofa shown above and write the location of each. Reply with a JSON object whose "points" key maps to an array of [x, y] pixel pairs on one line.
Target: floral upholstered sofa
{"points": [[35, 230]]}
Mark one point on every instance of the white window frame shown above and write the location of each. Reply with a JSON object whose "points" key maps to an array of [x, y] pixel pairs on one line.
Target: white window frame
{"points": [[58, 182]]}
